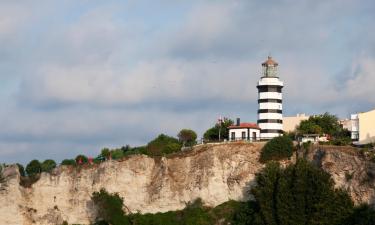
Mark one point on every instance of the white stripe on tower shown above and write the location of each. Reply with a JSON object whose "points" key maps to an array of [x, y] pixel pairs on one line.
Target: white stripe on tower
{"points": [[270, 115]]}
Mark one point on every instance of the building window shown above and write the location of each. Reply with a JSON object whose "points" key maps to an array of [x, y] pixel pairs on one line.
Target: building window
{"points": [[243, 135], [232, 136], [355, 135]]}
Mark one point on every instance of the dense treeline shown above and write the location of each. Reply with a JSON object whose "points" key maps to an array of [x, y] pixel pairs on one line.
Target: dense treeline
{"points": [[295, 195]]}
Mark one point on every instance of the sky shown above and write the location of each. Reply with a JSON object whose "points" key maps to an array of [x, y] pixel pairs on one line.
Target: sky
{"points": [[80, 75]]}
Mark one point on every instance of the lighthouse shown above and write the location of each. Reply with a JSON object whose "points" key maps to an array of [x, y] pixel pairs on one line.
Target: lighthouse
{"points": [[270, 114]]}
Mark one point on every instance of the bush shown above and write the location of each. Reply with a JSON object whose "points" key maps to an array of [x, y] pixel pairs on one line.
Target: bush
{"points": [[33, 168], [117, 154], [194, 214], [162, 145], [342, 141], [48, 165], [68, 162], [212, 134], [125, 148], [81, 159], [277, 148], [109, 208], [187, 137], [105, 153]]}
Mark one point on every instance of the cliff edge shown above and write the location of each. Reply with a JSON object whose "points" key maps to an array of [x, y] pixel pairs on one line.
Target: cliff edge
{"points": [[215, 173]]}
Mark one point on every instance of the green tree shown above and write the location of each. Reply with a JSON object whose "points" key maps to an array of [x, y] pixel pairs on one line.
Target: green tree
{"points": [[325, 124], [276, 149], [187, 137], [68, 162], [48, 165], [109, 208], [81, 159], [212, 134], [319, 124], [299, 194], [309, 127], [33, 168], [106, 153], [125, 148], [362, 215], [163, 144]]}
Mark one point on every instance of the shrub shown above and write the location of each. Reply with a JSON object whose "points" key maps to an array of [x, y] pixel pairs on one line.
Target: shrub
{"points": [[125, 148], [68, 162], [33, 168], [163, 144], [342, 141], [212, 134], [276, 149], [109, 208], [105, 153], [48, 165], [81, 159], [194, 214], [187, 137], [117, 154]]}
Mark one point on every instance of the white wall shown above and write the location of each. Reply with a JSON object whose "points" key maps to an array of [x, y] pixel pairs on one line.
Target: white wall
{"points": [[238, 133]]}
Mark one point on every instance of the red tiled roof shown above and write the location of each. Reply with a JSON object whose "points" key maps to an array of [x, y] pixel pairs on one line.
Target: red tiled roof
{"points": [[245, 125], [270, 61]]}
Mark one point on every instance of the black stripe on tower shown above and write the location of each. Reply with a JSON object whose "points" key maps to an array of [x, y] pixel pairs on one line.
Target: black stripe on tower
{"points": [[270, 100], [269, 89], [270, 111], [270, 121], [267, 131]]}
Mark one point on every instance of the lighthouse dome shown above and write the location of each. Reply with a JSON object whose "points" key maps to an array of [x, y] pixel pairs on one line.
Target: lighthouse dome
{"points": [[270, 62]]}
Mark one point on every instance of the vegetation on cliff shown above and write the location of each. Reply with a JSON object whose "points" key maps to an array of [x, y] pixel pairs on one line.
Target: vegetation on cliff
{"points": [[298, 194], [110, 212], [325, 124], [276, 149], [218, 131]]}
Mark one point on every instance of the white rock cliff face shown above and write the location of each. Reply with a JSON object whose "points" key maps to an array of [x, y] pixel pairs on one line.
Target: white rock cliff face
{"points": [[214, 173]]}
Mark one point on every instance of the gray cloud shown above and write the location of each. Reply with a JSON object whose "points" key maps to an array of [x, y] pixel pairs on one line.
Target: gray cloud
{"points": [[76, 77]]}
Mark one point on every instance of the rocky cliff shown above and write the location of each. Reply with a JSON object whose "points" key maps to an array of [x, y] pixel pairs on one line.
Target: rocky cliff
{"points": [[214, 173]]}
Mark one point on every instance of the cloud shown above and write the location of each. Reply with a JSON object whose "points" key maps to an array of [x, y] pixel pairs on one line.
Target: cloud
{"points": [[80, 75], [361, 85]]}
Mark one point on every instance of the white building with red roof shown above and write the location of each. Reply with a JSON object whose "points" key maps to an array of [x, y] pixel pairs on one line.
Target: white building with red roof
{"points": [[244, 131]]}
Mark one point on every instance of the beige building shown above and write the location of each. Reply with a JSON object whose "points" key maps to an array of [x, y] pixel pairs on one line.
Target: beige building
{"points": [[363, 127], [291, 122]]}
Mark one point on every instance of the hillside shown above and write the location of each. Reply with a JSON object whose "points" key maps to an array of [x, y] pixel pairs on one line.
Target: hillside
{"points": [[214, 173]]}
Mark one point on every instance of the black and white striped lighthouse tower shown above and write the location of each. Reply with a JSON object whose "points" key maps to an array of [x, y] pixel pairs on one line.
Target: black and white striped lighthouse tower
{"points": [[270, 114]]}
